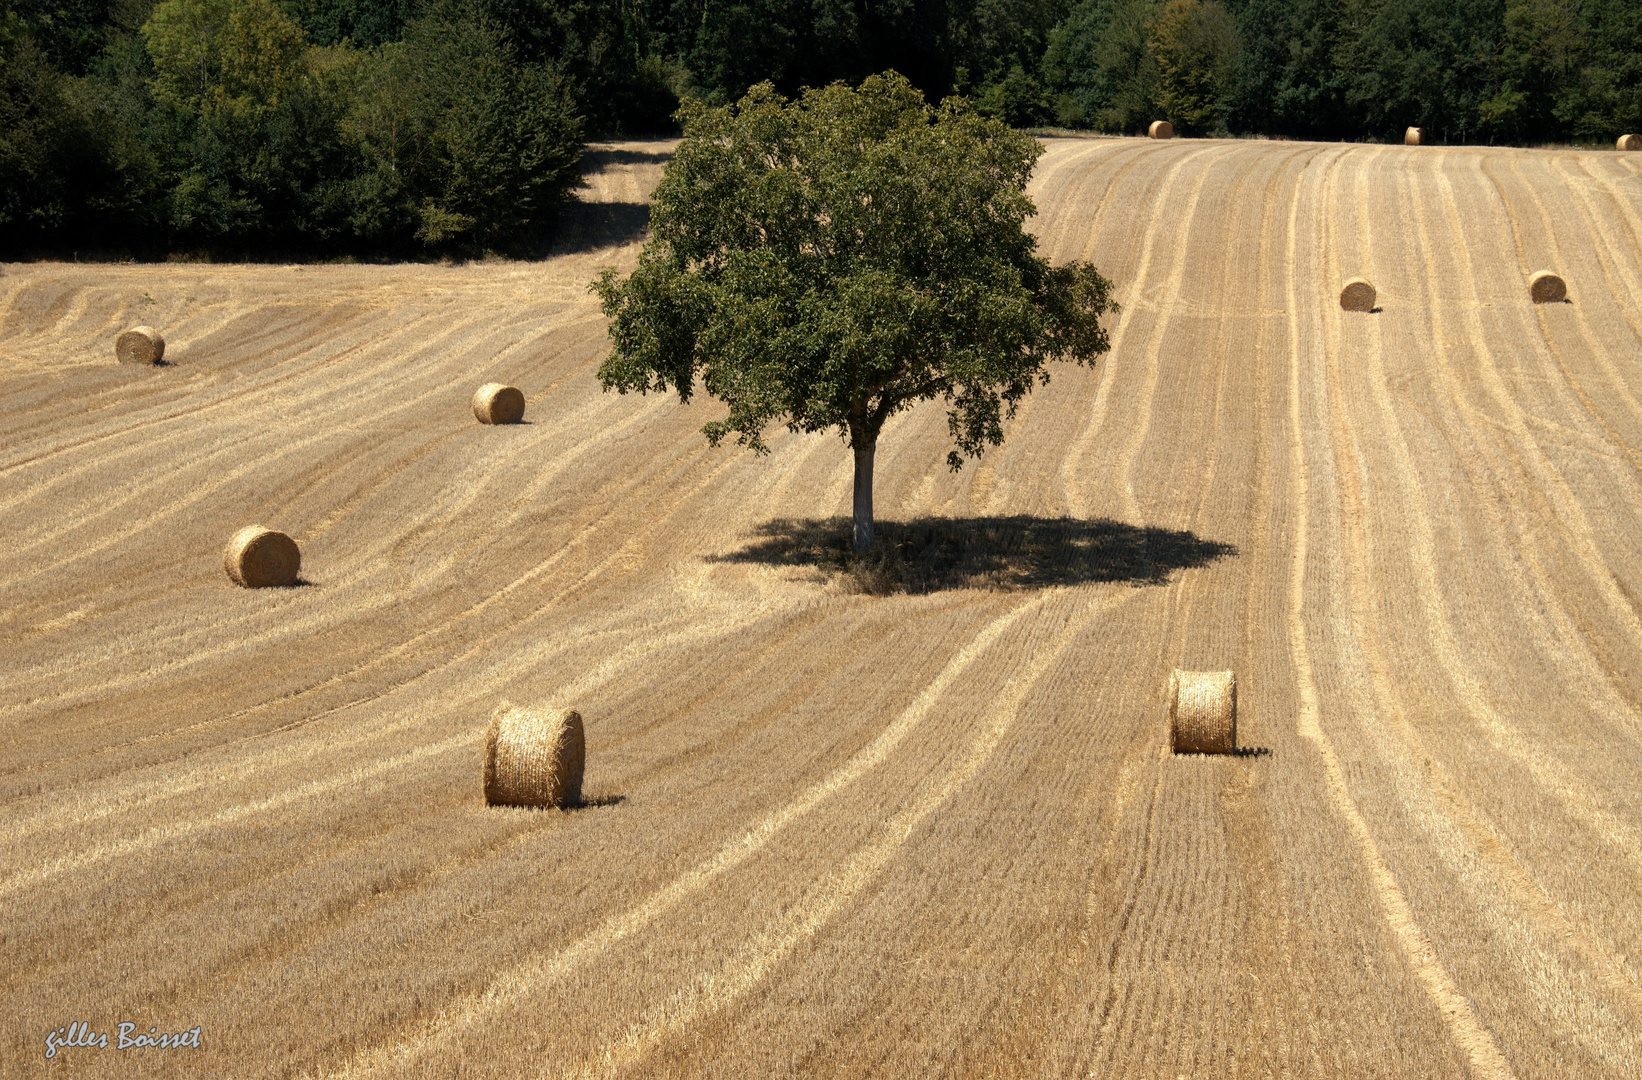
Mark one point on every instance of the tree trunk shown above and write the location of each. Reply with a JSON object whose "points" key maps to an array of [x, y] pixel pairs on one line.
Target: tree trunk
{"points": [[863, 497]]}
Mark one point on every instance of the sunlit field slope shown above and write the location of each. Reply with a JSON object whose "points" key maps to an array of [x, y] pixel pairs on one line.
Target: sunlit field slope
{"points": [[832, 834]]}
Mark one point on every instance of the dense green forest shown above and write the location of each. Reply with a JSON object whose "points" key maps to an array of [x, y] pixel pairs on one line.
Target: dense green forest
{"points": [[391, 128]]}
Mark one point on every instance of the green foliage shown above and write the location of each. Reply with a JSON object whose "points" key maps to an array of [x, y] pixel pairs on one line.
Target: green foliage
{"points": [[939, 45], [1287, 82], [364, 24], [47, 145], [241, 127], [998, 48], [11, 29], [1544, 45], [1195, 47], [241, 56], [829, 262], [75, 179], [1099, 66], [1611, 76], [457, 142], [1421, 63], [739, 44], [1018, 99], [69, 33], [605, 53], [1561, 69]]}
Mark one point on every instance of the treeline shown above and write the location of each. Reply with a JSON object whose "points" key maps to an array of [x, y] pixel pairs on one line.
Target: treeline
{"points": [[1502, 71], [411, 127], [1478, 71]]}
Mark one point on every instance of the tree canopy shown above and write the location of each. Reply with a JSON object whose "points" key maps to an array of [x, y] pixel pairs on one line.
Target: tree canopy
{"points": [[829, 262], [242, 55]]}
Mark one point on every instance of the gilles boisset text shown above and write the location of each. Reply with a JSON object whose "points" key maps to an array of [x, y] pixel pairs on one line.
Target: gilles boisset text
{"points": [[79, 1033]]}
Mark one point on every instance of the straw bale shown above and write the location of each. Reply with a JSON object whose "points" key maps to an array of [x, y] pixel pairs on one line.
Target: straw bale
{"points": [[1160, 129], [1546, 288], [1630, 142], [495, 403], [1413, 136], [1203, 712], [140, 345], [1358, 295], [534, 757], [257, 557]]}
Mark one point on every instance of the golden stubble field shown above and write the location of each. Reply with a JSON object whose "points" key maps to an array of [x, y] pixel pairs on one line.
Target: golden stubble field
{"points": [[832, 834]]}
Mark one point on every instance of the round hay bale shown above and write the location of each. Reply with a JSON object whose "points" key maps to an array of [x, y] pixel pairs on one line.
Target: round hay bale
{"points": [[1160, 129], [1413, 136], [1358, 295], [257, 557], [1630, 142], [140, 345], [1546, 288], [534, 758], [1203, 712], [494, 403]]}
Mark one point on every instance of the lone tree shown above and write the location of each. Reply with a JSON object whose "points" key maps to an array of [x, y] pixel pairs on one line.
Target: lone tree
{"points": [[832, 261]]}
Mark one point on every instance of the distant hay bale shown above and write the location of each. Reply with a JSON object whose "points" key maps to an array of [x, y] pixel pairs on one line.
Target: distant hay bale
{"points": [[1630, 142], [1203, 712], [1160, 129], [1358, 295], [1546, 288], [257, 557], [498, 404], [534, 758], [1413, 136], [140, 345]]}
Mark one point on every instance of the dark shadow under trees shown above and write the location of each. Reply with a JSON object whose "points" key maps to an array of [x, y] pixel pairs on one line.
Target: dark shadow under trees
{"points": [[596, 159], [590, 226], [934, 554]]}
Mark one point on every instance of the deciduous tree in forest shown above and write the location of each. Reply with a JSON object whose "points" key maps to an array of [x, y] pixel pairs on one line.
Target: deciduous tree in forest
{"points": [[1195, 46], [832, 261], [240, 55], [484, 147], [11, 28], [1099, 62]]}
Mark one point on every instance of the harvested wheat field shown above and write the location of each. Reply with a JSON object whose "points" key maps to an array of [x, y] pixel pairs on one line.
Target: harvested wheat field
{"points": [[823, 833]]}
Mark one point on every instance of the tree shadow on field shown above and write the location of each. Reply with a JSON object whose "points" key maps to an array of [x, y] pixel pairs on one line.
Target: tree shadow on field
{"points": [[596, 160], [933, 554], [590, 226]]}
